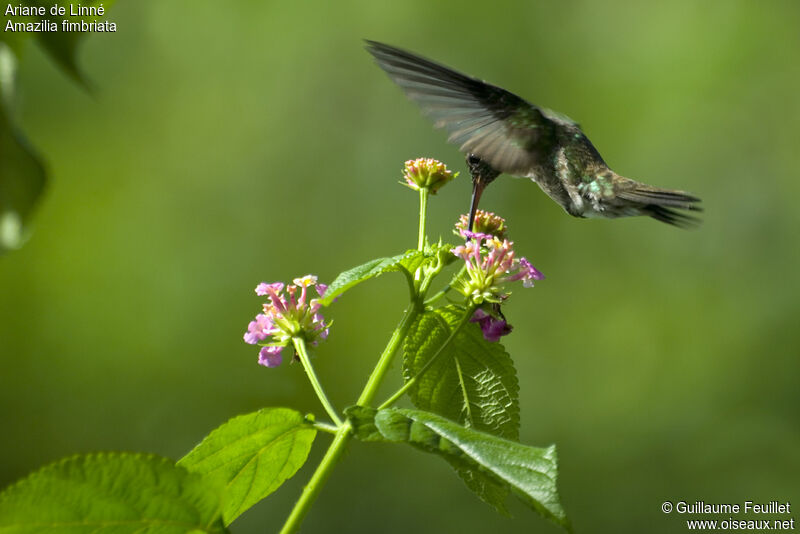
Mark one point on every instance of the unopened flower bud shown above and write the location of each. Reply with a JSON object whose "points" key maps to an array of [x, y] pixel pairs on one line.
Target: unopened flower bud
{"points": [[486, 224], [426, 173]]}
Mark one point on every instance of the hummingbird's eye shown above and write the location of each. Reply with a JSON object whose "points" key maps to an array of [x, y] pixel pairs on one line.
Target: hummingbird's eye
{"points": [[472, 159]]}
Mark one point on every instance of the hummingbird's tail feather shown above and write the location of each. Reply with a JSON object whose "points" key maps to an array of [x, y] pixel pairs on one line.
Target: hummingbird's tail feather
{"points": [[660, 204], [670, 216], [662, 197]]}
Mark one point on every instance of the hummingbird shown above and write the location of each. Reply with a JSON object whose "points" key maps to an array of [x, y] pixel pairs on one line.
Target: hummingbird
{"points": [[501, 133]]}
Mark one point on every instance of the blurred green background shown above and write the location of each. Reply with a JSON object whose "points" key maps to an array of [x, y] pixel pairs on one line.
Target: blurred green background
{"points": [[230, 143]]}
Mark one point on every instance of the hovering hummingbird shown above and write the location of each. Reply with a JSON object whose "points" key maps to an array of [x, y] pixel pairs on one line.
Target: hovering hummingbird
{"points": [[503, 133]]}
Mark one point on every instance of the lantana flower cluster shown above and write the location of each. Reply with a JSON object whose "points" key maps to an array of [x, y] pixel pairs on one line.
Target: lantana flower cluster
{"points": [[490, 263], [287, 315], [426, 173]]}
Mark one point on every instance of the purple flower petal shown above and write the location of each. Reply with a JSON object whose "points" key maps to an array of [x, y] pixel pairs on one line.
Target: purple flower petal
{"points": [[263, 288], [270, 356], [527, 273], [251, 338], [477, 236], [493, 329], [533, 272], [479, 316], [259, 329]]}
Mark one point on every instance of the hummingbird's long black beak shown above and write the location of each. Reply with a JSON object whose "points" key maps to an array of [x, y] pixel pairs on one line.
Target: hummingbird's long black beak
{"points": [[478, 186], [482, 175]]}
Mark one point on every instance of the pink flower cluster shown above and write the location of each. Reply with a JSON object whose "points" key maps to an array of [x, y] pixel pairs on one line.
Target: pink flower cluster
{"points": [[286, 315], [490, 264]]}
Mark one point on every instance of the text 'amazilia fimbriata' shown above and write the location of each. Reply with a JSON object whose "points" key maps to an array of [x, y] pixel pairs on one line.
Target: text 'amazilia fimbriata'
{"points": [[503, 133]]}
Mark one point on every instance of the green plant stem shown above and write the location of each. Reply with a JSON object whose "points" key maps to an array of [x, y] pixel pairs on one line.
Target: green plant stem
{"points": [[300, 347], [318, 479], [412, 287], [408, 385], [423, 209], [344, 430], [325, 427], [446, 288], [385, 361]]}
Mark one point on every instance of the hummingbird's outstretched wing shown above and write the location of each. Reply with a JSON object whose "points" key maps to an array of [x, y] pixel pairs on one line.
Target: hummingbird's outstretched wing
{"points": [[508, 132]]}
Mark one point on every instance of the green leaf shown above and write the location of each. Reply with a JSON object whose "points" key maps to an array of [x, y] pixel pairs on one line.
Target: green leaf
{"points": [[408, 262], [61, 46], [16, 40], [252, 455], [472, 382], [112, 492], [529, 472], [485, 487], [22, 174]]}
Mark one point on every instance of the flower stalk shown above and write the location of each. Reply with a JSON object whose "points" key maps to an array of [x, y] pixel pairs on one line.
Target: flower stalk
{"points": [[423, 209], [302, 353], [318, 479], [427, 176], [387, 356]]}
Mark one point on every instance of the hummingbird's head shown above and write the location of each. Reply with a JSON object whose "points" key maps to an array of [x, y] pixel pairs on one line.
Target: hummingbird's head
{"points": [[480, 170]]}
